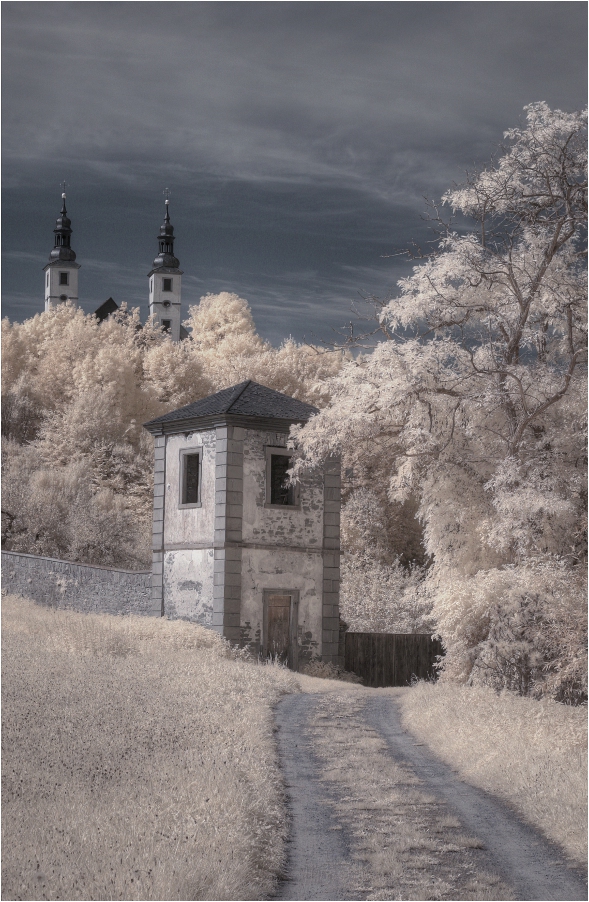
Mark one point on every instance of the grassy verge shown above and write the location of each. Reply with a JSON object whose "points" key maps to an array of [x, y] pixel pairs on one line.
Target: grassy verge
{"points": [[532, 754], [138, 761]]}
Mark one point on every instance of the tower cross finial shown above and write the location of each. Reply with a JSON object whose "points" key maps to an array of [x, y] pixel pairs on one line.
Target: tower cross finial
{"points": [[166, 192], [63, 187]]}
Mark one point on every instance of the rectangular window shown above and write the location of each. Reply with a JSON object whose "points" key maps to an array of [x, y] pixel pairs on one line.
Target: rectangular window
{"points": [[47, 283], [190, 469], [151, 285], [166, 325], [278, 491], [64, 278], [166, 284]]}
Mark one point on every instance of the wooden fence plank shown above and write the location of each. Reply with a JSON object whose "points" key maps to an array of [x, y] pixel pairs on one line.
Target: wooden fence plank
{"points": [[391, 659]]}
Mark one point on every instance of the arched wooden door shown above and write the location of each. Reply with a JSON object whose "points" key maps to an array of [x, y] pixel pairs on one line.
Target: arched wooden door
{"points": [[281, 608]]}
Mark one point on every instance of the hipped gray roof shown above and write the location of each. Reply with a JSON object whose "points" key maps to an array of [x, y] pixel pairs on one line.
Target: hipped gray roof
{"points": [[246, 404]]}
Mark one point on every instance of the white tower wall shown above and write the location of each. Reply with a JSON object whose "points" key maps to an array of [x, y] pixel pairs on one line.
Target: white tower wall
{"points": [[166, 305], [57, 293]]}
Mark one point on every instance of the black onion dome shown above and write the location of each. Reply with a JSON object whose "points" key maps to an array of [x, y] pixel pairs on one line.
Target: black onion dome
{"points": [[169, 261], [166, 258], [66, 254], [63, 221], [62, 231], [166, 227]]}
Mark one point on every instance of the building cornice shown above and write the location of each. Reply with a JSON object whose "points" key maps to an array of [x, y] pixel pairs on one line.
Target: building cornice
{"points": [[198, 424], [166, 269], [62, 264]]}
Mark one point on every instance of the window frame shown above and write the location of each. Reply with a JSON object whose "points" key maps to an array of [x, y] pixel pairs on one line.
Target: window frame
{"points": [[64, 278], [278, 451], [164, 281], [166, 325], [197, 450]]}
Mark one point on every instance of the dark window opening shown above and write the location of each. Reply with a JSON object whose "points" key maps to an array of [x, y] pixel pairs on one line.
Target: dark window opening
{"points": [[64, 278], [190, 478], [166, 325], [280, 491], [166, 284]]}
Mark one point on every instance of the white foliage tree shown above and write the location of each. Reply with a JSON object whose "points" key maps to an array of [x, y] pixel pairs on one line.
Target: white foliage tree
{"points": [[225, 339], [477, 404], [77, 464]]}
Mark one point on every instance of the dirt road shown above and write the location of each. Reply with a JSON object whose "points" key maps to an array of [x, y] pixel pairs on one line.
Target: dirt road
{"points": [[376, 816]]}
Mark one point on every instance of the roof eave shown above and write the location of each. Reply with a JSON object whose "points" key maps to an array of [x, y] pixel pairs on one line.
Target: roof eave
{"points": [[195, 424], [166, 269], [62, 263]]}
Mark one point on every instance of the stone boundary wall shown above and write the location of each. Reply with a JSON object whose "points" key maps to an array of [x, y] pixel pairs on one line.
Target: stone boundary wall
{"points": [[78, 587]]}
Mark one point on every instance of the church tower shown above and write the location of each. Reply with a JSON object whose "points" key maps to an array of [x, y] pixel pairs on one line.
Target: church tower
{"points": [[165, 282], [61, 273]]}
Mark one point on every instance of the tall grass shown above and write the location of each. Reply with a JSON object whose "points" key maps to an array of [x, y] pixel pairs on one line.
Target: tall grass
{"points": [[138, 760], [531, 753]]}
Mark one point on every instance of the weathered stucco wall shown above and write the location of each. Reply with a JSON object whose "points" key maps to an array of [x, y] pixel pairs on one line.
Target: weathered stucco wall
{"points": [[212, 564], [282, 569], [79, 587], [288, 526], [190, 526], [188, 585]]}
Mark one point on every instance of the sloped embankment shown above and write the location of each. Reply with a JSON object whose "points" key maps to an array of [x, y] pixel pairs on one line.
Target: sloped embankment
{"points": [[138, 760]]}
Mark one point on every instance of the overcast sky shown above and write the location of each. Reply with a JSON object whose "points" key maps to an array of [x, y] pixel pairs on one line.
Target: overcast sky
{"points": [[297, 139]]}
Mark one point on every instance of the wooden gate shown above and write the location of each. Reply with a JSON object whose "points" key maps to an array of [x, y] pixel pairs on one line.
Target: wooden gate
{"points": [[391, 659]]}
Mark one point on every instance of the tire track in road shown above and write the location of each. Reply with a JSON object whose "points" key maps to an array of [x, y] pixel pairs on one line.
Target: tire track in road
{"points": [[318, 853], [376, 816], [534, 867]]}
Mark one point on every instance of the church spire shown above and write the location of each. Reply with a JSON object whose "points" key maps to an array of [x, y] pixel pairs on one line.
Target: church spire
{"points": [[166, 243], [62, 249], [165, 280], [61, 273]]}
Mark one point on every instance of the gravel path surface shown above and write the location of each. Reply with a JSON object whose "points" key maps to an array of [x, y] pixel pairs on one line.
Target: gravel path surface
{"points": [[319, 852], [326, 859], [534, 867]]}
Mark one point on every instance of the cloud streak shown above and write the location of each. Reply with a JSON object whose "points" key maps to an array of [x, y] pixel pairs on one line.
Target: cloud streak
{"points": [[267, 120]]}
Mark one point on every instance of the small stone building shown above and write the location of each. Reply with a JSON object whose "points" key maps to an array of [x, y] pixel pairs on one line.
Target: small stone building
{"points": [[235, 548]]}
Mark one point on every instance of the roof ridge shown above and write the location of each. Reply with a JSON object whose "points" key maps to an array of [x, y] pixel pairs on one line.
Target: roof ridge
{"points": [[237, 394]]}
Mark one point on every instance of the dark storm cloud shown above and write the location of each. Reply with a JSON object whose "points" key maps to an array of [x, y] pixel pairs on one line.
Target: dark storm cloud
{"points": [[298, 138]]}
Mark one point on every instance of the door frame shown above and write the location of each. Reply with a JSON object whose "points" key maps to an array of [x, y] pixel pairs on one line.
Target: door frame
{"points": [[293, 645]]}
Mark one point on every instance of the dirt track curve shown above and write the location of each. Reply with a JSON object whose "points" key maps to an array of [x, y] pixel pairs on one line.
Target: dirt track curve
{"points": [[348, 844]]}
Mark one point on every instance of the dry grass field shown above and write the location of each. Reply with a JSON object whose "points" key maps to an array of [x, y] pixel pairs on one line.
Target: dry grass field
{"points": [[138, 760], [533, 754], [139, 763]]}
